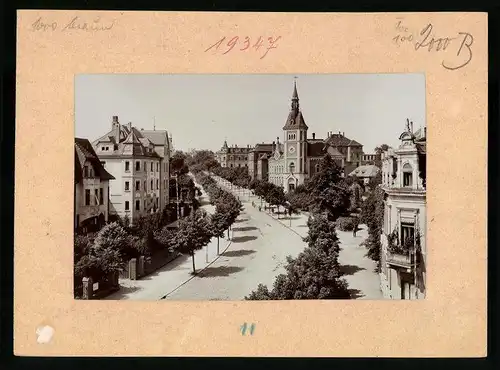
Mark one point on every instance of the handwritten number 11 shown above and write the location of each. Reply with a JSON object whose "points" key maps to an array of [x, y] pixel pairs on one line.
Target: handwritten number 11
{"points": [[243, 329]]}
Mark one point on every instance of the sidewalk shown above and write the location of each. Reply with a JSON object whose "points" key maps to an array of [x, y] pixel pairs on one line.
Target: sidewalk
{"points": [[176, 273]]}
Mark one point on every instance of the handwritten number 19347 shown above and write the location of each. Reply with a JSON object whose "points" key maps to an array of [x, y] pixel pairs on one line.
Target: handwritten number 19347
{"points": [[244, 43]]}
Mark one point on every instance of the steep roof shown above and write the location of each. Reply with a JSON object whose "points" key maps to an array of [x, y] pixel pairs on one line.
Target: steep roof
{"points": [[157, 137], [132, 141], [365, 171], [85, 152], [295, 120], [341, 140], [263, 148], [315, 148]]}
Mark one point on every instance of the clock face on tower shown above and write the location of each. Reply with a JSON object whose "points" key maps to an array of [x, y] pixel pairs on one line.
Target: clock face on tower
{"points": [[291, 149]]}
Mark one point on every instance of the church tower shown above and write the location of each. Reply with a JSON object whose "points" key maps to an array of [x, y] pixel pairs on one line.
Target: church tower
{"points": [[295, 145]]}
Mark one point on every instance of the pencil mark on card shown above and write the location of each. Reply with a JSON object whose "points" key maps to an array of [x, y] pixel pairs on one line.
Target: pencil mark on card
{"points": [[428, 39], [74, 24]]}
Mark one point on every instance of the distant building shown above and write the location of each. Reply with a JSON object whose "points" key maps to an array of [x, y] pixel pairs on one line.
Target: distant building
{"points": [[233, 156], [298, 158], [139, 161], [365, 173], [258, 164], [91, 208], [367, 159], [403, 252]]}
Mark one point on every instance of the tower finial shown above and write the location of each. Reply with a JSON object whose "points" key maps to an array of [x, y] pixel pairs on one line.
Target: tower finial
{"points": [[295, 95], [154, 123]]}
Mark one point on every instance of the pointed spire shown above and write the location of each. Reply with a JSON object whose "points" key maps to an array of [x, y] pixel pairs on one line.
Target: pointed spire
{"points": [[295, 96]]}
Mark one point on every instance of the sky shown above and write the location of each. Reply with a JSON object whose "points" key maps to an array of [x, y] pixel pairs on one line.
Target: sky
{"points": [[201, 111]]}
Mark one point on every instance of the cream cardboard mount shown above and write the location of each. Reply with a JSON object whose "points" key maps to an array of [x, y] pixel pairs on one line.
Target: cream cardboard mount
{"points": [[54, 46]]}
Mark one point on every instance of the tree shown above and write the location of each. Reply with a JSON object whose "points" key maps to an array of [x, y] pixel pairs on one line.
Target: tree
{"points": [[379, 150], [314, 274], [106, 254], [276, 196], [328, 190], [372, 214], [218, 223], [178, 164], [193, 234]]}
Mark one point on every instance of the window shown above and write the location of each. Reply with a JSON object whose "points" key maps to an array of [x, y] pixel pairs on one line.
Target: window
{"points": [[151, 185], [115, 147], [407, 231], [103, 148], [137, 185], [87, 197], [96, 192], [157, 167], [137, 166], [157, 184], [292, 167], [231, 165], [316, 168], [145, 166], [407, 175], [127, 206], [145, 186], [137, 205], [127, 186], [127, 166], [86, 171], [151, 166], [101, 196]]}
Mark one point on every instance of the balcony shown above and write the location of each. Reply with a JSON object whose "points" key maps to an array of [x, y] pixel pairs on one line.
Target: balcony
{"points": [[401, 260]]}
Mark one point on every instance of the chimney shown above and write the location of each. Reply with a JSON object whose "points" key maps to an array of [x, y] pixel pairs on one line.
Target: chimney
{"points": [[115, 121], [314, 135], [411, 126]]}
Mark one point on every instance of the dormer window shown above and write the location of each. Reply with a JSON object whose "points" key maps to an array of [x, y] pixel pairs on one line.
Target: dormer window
{"points": [[407, 175]]}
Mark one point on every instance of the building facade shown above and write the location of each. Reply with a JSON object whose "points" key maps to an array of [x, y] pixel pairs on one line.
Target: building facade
{"points": [[403, 252], [233, 156], [139, 161], [298, 158], [258, 161], [91, 207]]}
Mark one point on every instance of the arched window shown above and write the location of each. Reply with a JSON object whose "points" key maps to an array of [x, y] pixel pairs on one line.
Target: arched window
{"points": [[407, 175], [292, 167], [316, 167]]}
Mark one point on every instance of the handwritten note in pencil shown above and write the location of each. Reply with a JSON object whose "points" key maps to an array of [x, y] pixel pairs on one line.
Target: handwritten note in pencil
{"points": [[427, 40]]}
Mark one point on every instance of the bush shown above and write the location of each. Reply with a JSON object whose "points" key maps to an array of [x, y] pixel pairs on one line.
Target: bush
{"points": [[346, 223]]}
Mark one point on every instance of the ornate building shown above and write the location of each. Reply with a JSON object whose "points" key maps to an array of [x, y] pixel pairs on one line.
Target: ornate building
{"points": [[233, 156], [403, 252], [297, 159], [139, 161]]}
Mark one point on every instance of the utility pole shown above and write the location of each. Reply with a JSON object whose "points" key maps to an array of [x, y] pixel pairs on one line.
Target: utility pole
{"points": [[177, 190]]}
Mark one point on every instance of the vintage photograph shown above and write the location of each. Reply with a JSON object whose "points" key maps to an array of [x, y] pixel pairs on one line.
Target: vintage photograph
{"points": [[249, 187]]}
